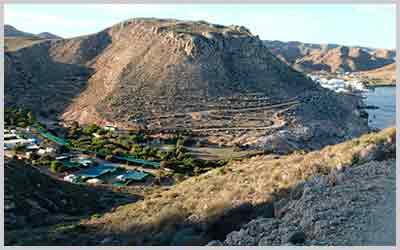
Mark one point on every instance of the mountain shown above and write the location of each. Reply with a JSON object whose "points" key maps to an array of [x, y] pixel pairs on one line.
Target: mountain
{"points": [[385, 74], [10, 31], [213, 80], [48, 35], [330, 57]]}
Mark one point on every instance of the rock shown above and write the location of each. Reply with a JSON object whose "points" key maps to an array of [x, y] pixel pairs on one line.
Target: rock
{"points": [[107, 240], [298, 237], [329, 215], [267, 210], [280, 208], [215, 243], [297, 191], [367, 153], [187, 237]]}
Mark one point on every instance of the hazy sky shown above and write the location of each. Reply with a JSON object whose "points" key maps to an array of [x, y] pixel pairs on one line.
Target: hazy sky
{"points": [[349, 24]]}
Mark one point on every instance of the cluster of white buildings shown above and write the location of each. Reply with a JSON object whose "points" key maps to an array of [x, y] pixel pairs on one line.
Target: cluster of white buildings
{"points": [[339, 85], [13, 139]]}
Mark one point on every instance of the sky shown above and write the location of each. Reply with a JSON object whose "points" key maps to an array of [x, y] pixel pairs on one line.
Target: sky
{"points": [[370, 25]]}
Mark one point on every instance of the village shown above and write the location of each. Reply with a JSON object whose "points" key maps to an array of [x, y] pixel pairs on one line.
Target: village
{"points": [[72, 166], [340, 82], [102, 155]]}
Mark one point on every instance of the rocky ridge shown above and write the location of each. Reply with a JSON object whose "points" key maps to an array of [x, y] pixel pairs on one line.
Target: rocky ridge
{"points": [[349, 206], [330, 57]]}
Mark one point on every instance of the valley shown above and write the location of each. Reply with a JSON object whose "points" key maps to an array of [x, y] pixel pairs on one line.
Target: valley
{"points": [[175, 132]]}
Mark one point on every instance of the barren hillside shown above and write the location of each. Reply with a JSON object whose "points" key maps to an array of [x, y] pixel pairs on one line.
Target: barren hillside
{"points": [[167, 75], [386, 74], [330, 57]]}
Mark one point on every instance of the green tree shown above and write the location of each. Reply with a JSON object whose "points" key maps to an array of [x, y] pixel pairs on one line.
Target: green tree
{"points": [[31, 118], [90, 129], [56, 166]]}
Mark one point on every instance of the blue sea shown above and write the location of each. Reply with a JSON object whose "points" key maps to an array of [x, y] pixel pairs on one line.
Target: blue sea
{"points": [[385, 99]]}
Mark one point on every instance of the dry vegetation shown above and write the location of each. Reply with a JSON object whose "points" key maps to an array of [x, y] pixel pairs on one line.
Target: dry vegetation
{"points": [[15, 43], [203, 200], [380, 76]]}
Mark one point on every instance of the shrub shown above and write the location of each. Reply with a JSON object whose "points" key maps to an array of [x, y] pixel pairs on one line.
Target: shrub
{"points": [[56, 166], [19, 148], [90, 129], [118, 151]]}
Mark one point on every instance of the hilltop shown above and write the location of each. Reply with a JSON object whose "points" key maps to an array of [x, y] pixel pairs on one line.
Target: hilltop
{"points": [[11, 31], [217, 81], [330, 57], [15, 39]]}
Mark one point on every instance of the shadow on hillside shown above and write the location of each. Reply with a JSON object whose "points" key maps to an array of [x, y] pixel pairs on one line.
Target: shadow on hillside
{"points": [[176, 220], [45, 77], [174, 230], [35, 200]]}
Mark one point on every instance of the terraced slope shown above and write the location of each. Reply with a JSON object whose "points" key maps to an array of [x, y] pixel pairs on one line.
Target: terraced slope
{"points": [[177, 75]]}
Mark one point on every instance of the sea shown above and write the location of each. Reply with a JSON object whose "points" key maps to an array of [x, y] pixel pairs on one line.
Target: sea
{"points": [[385, 99]]}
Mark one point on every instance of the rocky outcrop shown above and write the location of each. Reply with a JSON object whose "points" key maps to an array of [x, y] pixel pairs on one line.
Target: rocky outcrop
{"points": [[330, 57], [352, 207]]}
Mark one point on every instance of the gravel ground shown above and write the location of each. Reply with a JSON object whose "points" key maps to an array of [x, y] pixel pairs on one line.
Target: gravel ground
{"points": [[353, 207]]}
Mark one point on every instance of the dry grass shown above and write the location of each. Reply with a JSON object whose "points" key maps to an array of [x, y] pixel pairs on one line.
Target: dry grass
{"points": [[257, 180], [15, 43]]}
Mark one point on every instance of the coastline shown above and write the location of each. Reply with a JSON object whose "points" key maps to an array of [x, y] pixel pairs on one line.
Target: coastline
{"points": [[392, 84]]}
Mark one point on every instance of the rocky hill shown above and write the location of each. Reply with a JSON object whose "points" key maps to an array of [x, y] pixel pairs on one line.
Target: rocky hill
{"points": [[330, 57], [11, 31], [296, 198], [383, 75], [356, 207], [178, 75], [48, 35]]}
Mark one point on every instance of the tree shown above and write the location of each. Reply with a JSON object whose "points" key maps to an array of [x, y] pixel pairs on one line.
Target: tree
{"points": [[19, 148], [90, 129], [180, 142], [31, 118], [135, 149], [118, 151], [56, 166]]}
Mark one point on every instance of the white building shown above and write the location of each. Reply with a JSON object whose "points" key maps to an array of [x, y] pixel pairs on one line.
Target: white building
{"points": [[19, 141], [45, 151]]}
